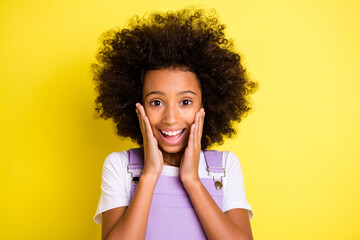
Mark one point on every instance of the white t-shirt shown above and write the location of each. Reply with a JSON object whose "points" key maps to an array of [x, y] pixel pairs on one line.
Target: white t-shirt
{"points": [[116, 182]]}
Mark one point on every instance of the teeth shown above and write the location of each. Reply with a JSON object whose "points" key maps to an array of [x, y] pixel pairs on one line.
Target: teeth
{"points": [[172, 133]]}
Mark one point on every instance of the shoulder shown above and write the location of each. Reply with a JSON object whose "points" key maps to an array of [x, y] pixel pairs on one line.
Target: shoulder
{"points": [[231, 163], [116, 157], [116, 161], [229, 158]]}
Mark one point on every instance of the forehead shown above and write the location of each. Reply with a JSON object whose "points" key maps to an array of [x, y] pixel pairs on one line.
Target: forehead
{"points": [[170, 80]]}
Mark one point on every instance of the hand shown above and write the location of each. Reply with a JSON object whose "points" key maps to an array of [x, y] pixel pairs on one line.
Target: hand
{"points": [[153, 158], [190, 161]]}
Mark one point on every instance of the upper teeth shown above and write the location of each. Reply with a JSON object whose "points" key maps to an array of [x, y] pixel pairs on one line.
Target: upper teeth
{"points": [[171, 133]]}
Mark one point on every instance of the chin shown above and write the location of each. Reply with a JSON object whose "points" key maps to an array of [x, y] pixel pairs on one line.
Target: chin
{"points": [[172, 149]]}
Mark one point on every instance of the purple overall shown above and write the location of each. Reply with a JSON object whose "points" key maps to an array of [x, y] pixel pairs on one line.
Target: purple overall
{"points": [[172, 215]]}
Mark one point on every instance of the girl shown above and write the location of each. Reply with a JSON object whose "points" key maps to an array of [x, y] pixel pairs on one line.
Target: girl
{"points": [[166, 72]]}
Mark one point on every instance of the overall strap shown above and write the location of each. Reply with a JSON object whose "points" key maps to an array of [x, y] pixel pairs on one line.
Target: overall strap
{"points": [[136, 158], [213, 161], [136, 161]]}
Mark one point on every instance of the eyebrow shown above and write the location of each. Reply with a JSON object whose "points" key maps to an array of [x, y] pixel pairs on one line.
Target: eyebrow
{"points": [[162, 93]]}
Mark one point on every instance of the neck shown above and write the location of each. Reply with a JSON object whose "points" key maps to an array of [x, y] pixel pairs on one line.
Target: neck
{"points": [[172, 159]]}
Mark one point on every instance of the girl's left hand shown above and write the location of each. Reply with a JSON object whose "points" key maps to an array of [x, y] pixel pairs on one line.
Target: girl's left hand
{"points": [[190, 160]]}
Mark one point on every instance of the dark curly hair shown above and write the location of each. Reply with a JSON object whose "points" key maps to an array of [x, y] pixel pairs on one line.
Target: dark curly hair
{"points": [[189, 39]]}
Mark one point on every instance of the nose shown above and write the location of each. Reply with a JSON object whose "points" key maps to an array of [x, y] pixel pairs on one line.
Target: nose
{"points": [[171, 115]]}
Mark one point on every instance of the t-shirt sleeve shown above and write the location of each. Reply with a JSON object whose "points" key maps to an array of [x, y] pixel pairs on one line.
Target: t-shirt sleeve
{"points": [[234, 190], [113, 184]]}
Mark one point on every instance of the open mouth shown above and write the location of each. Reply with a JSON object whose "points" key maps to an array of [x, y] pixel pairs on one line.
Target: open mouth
{"points": [[172, 134], [172, 138]]}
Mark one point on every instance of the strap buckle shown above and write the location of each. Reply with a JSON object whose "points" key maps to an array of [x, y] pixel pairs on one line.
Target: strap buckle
{"points": [[136, 179], [218, 184]]}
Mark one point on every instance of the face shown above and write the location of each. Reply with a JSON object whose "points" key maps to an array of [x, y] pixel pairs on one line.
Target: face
{"points": [[171, 98]]}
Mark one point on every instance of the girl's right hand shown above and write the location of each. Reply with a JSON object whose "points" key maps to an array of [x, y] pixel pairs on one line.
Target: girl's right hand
{"points": [[153, 158]]}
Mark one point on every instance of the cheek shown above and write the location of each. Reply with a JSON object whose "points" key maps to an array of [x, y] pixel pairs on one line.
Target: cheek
{"points": [[152, 116], [190, 117]]}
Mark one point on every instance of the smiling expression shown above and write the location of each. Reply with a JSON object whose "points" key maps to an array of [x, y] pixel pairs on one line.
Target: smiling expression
{"points": [[171, 98]]}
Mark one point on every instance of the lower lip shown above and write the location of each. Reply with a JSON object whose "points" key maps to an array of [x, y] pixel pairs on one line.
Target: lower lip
{"points": [[173, 140]]}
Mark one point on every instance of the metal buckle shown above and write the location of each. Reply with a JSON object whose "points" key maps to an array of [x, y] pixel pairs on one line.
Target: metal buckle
{"points": [[218, 184], [135, 180]]}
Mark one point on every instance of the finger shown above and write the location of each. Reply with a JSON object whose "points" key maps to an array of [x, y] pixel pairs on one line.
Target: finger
{"points": [[198, 130], [148, 128], [193, 129], [201, 127], [191, 141], [140, 118], [142, 121], [146, 123], [140, 109], [198, 127]]}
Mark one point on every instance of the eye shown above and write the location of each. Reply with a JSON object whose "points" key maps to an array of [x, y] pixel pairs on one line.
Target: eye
{"points": [[156, 103], [186, 102]]}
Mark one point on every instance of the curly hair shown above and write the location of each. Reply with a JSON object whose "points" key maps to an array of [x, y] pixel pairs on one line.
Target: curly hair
{"points": [[189, 39]]}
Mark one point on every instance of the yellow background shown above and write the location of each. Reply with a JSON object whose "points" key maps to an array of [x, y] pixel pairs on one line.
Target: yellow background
{"points": [[299, 148]]}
